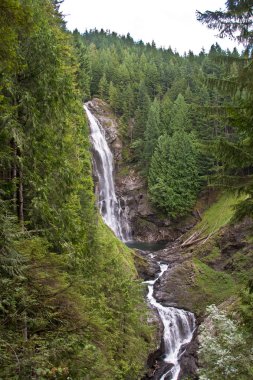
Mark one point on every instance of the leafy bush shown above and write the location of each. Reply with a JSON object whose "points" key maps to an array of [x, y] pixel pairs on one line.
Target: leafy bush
{"points": [[225, 352]]}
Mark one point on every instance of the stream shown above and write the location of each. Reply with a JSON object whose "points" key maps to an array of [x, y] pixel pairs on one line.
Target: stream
{"points": [[179, 325]]}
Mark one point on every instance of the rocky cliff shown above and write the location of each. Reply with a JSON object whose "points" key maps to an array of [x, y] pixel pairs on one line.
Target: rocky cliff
{"points": [[147, 223]]}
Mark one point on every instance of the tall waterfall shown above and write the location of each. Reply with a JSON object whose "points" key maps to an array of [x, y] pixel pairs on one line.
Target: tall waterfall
{"points": [[109, 206], [178, 325]]}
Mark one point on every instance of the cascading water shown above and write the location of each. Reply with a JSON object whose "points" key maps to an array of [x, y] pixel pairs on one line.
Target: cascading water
{"points": [[109, 206], [178, 325]]}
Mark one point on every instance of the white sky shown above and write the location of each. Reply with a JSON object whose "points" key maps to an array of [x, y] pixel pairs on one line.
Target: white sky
{"points": [[167, 22]]}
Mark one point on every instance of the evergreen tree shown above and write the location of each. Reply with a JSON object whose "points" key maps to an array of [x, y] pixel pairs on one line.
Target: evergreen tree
{"points": [[173, 174], [103, 88], [235, 151], [129, 103], [152, 131], [114, 98], [235, 22], [179, 115], [166, 108], [55, 320], [84, 67], [141, 113]]}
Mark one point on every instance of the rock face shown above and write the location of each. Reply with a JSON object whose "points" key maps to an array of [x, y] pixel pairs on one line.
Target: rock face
{"points": [[146, 225], [189, 359]]}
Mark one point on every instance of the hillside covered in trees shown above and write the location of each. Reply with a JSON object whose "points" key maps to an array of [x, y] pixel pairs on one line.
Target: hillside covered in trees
{"points": [[62, 311], [161, 96], [71, 304]]}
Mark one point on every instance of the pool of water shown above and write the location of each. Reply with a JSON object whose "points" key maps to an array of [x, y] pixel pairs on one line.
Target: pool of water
{"points": [[150, 247]]}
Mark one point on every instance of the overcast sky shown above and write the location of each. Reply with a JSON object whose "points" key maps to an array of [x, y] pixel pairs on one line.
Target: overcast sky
{"points": [[167, 22]]}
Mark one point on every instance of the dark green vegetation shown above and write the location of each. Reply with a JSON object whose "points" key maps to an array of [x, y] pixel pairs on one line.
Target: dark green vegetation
{"points": [[163, 104], [226, 337], [70, 304]]}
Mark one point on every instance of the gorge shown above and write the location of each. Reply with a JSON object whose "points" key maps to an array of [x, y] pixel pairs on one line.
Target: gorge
{"points": [[178, 325], [126, 247]]}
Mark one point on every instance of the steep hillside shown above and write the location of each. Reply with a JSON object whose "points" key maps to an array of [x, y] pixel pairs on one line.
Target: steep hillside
{"points": [[71, 306]]}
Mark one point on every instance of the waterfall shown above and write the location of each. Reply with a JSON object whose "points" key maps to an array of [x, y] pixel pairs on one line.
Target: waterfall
{"points": [[178, 325], [109, 206]]}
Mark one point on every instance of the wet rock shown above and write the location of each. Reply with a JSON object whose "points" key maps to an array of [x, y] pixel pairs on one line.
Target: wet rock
{"points": [[101, 110], [147, 268], [172, 289], [189, 359]]}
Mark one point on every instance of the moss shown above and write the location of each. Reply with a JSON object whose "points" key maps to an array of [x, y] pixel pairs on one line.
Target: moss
{"points": [[143, 223], [219, 213], [123, 172], [249, 238], [212, 256], [210, 286]]}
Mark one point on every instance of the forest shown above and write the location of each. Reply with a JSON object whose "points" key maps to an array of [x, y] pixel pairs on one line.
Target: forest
{"points": [[72, 305]]}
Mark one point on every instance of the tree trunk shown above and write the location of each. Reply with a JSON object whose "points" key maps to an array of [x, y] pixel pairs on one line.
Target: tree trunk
{"points": [[25, 330], [20, 195], [14, 172]]}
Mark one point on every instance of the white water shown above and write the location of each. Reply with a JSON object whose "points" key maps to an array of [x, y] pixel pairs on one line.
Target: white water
{"points": [[109, 206], [178, 325]]}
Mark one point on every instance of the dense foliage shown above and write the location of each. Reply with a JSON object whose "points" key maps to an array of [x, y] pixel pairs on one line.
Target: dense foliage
{"points": [[70, 306], [156, 92], [234, 153], [226, 342], [173, 174]]}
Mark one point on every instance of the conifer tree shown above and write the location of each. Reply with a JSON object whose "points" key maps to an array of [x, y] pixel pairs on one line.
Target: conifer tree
{"points": [[165, 113], [84, 67], [235, 152], [114, 98], [152, 131], [103, 88], [179, 115], [141, 113], [173, 174]]}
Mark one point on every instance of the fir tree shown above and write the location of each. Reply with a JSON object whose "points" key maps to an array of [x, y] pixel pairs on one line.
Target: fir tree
{"points": [[179, 115], [152, 131], [235, 151], [173, 174], [141, 113], [103, 88]]}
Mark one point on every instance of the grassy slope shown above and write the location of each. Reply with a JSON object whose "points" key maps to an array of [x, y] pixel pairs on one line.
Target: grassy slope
{"points": [[219, 214], [216, 270]]}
